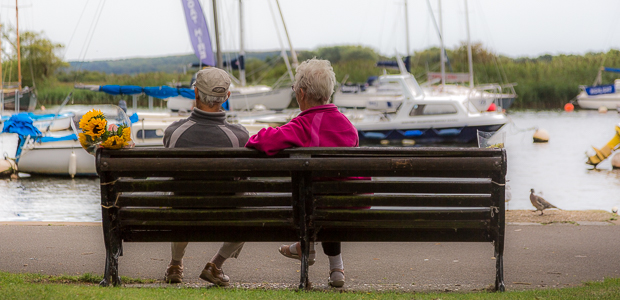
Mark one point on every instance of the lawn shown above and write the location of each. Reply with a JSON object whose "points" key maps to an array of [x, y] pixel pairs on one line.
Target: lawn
{"points": [[36, 286]]}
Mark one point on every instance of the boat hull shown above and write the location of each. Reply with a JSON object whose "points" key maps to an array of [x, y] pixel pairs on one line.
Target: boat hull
{"points": [[451, 135], [27, 102], [611, 101]]}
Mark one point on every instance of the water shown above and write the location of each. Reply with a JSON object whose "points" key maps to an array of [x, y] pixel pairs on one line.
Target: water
{"points": [[557, 169]]}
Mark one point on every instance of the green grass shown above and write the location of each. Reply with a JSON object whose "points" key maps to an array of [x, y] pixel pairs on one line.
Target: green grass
{"points": [[36, 286]]}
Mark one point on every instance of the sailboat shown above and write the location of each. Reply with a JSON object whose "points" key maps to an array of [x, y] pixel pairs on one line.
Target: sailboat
{"points": [[242, 97], [12, 96], [600, 95]]}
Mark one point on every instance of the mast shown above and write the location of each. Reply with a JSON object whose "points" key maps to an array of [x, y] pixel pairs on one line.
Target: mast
{"points": [[241, 59], [282, 51], [220, 62], [470, 60], [407, 26], [19, 64], [442, 56], [293, 54]]}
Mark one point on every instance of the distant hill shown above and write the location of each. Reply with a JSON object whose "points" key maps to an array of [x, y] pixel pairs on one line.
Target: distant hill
{"points": [[167, 64]]}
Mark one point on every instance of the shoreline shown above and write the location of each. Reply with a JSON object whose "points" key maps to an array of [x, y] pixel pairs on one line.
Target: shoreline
{"points": [[513, 217]]}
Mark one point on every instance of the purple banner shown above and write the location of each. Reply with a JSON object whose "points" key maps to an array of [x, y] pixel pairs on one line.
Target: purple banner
{"points": [[198, 31]]}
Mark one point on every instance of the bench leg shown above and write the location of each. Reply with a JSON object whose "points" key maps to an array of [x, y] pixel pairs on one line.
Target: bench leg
{"points": [[304, 282], [499, 268], [113, 247]]}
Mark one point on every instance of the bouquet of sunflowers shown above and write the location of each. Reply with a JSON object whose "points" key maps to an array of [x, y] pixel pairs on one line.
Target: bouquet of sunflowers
{"points": [[97, 133]]}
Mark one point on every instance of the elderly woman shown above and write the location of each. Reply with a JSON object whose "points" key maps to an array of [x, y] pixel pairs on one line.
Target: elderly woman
{"points": [[318, 125]]}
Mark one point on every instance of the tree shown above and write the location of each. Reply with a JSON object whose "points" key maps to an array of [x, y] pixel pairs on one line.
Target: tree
{"points": [[39, 59]]}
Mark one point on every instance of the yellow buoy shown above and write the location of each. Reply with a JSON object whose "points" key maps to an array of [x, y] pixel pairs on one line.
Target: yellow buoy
{"points": [[385, 142], [408, 142], [602, 109], [541, 136]]}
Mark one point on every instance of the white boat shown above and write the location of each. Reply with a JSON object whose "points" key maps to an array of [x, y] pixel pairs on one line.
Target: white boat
{"points": [[425, 117], [599, 95], [243, 98], [66, 157]]}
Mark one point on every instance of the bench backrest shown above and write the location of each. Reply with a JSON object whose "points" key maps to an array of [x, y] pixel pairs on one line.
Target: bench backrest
{"points": [[416, 194]]}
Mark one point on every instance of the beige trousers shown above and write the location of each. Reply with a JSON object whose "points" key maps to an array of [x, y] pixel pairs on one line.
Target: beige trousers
{"points": [[227, 250]]}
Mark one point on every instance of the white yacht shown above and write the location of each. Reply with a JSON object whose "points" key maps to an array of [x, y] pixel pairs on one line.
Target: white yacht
{"points": [[425, 116]]}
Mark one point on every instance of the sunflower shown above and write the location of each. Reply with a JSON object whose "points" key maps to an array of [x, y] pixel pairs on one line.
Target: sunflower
{"points": [[83, 140], [114, 142], [127, 134], [95, 127], [95, 113]]}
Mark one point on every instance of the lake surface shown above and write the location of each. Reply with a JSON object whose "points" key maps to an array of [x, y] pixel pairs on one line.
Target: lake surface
{"points": [[557, 169]]}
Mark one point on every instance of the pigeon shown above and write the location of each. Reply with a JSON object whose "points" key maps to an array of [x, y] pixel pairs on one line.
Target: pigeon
{"points": [[540, 203]]}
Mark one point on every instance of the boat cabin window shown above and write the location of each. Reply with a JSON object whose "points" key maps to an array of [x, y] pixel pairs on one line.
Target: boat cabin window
{"points": [[150, 134], [432, 109]]}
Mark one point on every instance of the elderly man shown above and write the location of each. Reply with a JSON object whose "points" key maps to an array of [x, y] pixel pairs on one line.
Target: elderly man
{"points": [[206, 127], [318, 125]]}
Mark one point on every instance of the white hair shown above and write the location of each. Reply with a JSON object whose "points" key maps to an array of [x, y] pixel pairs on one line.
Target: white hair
{"points": [[210, 100], [317, 78]]}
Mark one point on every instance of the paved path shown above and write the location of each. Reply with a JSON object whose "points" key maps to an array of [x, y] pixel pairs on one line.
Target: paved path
{"points": [[536, 256]]}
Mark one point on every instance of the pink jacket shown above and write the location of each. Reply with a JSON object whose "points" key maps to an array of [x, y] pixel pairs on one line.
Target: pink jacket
{"points": [[319, 126]]}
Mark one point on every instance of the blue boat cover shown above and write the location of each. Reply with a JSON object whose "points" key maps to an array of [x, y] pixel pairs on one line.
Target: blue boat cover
{"points": [[121, 89], [71, 137], [161, 92], [134, 118], [21, 124], [612, 70]]}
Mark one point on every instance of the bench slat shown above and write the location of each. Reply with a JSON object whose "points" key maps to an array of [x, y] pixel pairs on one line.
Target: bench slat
{"points": [[233, 215], [399, 224], [404, 235], [201, 187], [409, 200], [210, 225], [363, 216], [302, 164], [365, 186], [221, 234], [200, 201]]}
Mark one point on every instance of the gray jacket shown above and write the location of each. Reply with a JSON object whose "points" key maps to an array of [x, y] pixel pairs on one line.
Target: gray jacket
{"points": [[205, 129]]}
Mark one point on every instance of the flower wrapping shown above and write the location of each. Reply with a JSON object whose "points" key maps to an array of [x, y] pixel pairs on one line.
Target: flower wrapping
{"points": [[96, 133]]}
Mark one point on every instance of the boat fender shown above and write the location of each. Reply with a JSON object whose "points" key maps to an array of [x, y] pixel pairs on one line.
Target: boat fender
{"points": [[72, 164], [615, 161], [541, 136], [602, 109]]}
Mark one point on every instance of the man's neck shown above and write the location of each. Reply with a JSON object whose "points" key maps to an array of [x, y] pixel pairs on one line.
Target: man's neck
{"points": [[207, 108]]}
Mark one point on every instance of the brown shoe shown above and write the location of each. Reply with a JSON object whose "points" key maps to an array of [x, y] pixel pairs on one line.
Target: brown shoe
{"points": [[174, 274], [214, 275], [336, 278]]}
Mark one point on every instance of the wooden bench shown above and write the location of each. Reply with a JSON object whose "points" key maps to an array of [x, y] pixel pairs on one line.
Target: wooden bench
{"points": [[416, 194]]}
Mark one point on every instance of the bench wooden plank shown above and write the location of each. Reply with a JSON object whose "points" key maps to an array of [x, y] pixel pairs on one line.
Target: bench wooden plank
{"points": [[174, 201], [129, 214], [303, 164], [364, 186], [437, 200], [371, 215], [202, 187]]}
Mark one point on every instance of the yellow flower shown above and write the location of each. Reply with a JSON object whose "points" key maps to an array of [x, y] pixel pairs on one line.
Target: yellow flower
{"points": [[95, 127], [127, 134], [83, 140], [90, 115], [114, 142]]}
